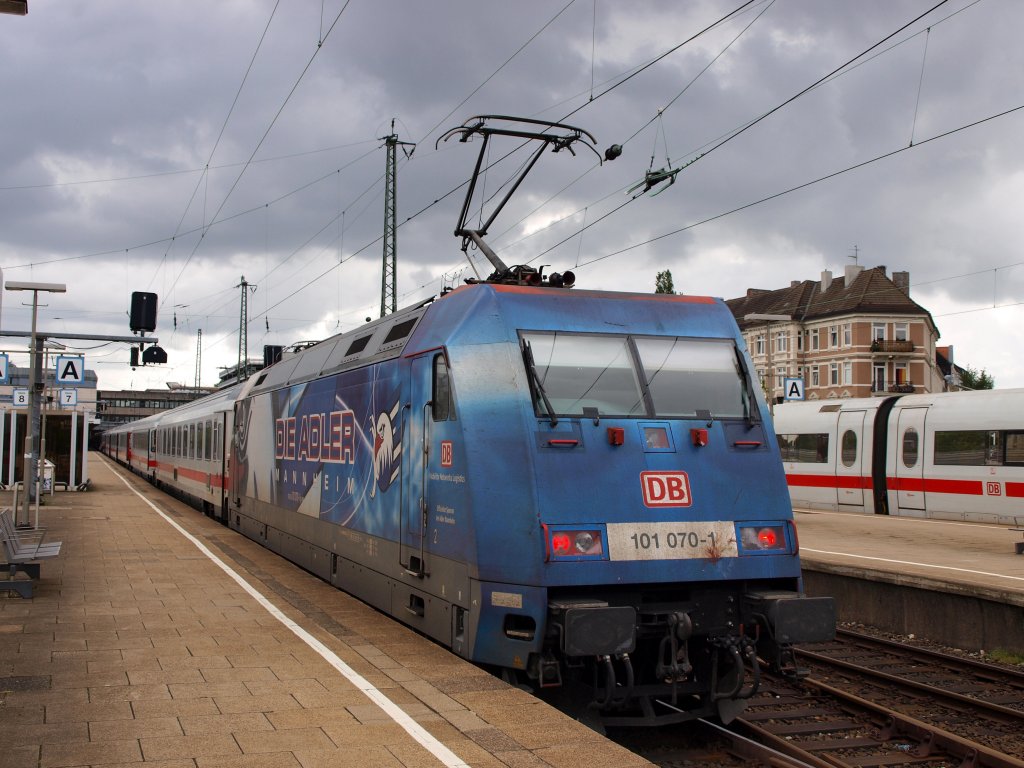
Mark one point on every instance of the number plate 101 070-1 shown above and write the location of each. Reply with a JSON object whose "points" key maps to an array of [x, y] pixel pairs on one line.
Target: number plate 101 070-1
{"points": [[672, 541]]}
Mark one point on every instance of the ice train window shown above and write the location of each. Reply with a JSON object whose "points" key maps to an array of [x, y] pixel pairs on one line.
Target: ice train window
{"points": [[848, 449], [1015, 448], [808, 448], [910, 447], [962, 447]]}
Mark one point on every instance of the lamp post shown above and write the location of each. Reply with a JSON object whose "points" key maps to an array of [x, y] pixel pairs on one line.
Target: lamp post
{"points": [[768, 320], [35, 380]]}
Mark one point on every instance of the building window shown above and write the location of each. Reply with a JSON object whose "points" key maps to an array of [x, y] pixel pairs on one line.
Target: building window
{"points": [[900, 373], [780, 376], [878, 331], [759, 344], [847, 373], [833, 336], [815, 378], [799, 341], [781, 341], [814, 341], [901, 331], [847, 335], [833, 374]]}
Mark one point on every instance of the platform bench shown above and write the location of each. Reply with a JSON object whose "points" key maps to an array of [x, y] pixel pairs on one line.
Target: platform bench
{"points": [[23, 549]]}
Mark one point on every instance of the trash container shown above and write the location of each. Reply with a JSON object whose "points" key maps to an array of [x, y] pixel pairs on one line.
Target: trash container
{"points": [[48, 468]]}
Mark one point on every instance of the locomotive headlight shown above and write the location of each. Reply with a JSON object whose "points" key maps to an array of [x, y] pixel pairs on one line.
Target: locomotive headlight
{"points": [[763, 538], [584, 542], [565, 543]]}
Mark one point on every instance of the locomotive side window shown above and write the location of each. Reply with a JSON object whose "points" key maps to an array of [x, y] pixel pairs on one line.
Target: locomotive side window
{"points": [[811, 448], [442, 395], [848, 449], [911, 446], [686, 376]]}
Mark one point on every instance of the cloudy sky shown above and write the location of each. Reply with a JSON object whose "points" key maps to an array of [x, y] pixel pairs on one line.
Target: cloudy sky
{"points": [[178, 147]]}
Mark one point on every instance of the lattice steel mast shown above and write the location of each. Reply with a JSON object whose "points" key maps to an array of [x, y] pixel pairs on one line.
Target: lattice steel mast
{"points": [[389, 272]]}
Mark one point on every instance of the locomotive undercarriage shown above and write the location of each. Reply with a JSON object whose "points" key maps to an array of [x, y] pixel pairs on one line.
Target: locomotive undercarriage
{"points": [[645, 663]]}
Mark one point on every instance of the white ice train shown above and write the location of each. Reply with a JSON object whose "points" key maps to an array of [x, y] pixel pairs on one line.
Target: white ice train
{"points": [[953, 455]]}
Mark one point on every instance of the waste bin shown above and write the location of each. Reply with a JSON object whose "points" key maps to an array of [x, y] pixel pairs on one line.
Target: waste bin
{"points": [[48, 468]]}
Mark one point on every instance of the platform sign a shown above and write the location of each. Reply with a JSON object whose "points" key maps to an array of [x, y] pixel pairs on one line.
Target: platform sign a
{"points": [[793, 389], [70, 369], [3, 367]]}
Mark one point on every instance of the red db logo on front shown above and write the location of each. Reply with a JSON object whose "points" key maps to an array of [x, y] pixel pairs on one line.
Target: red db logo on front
{"points": [[665, 489]]}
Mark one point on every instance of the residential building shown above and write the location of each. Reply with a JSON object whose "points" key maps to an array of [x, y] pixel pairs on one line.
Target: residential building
{"points": [[857, 335]]}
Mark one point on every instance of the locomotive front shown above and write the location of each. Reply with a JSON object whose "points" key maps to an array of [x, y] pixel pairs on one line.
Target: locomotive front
{"points": [[637, 536]]}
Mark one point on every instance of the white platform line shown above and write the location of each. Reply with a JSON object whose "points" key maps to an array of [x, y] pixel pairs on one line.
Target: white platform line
{"points": [[908, 562], [396, 713]]}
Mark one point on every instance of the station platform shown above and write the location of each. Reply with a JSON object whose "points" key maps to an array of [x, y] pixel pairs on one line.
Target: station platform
{"points": [[957, 583], [158, 636]]}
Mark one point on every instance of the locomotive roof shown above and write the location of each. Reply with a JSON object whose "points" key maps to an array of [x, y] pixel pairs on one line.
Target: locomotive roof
{"points": [[490, 313]]}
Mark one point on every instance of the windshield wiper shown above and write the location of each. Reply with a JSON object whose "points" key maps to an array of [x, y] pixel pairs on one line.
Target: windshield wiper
{"points": [[535, 383]]}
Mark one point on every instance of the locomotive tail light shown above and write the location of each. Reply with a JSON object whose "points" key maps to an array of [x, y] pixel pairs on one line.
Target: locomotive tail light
{"points": [[699, 437], [616, 435], [575, 543], [763, 538]]}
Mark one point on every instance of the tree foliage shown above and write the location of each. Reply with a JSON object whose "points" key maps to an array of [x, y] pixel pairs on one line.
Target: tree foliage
{"points": [[974, 379], [663, 282]]}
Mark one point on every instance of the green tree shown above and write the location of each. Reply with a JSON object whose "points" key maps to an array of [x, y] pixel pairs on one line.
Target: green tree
{"points": [[973, 379], [663, 282]]}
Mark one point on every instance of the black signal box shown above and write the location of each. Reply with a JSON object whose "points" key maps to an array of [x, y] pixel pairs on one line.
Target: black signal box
{"points": [[143, 314]]}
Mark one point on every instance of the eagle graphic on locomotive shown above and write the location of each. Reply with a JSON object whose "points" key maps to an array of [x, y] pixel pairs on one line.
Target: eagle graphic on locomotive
{"points": [[576, 488]]}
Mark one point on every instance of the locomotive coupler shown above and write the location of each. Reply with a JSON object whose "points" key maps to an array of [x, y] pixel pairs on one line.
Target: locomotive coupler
{"points": [[673, 658]]}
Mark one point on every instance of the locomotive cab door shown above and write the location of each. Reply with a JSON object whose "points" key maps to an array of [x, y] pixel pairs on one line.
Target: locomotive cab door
{"points": [[416, 438], [909, 470]]}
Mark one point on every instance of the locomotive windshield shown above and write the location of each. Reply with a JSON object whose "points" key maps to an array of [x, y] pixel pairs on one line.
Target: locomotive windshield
{"points": [[635, 376]]}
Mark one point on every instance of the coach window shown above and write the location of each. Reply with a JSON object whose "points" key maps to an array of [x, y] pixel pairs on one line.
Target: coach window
{"points": [[441, 400], [200, 439], [966, 448], [1015, 448], [208, 443], [848, 452], [910, 448], [216, 441], [191, 441], [811, 448]]}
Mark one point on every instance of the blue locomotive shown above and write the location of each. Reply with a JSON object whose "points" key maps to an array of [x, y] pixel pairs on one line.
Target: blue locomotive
{"points": [[579, 488]]}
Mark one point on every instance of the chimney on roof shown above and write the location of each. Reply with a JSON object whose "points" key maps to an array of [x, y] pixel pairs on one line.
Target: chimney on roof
{"points": [[794, 283], [826, 280], [751, 292], [852, 270], [902, 281]]}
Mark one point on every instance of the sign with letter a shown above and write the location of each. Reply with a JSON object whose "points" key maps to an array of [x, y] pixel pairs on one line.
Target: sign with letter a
{"points": [[794, 389], [70, 369]]}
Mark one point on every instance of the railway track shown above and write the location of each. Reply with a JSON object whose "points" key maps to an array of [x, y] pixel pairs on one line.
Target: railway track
{"points": [[868, 702]]}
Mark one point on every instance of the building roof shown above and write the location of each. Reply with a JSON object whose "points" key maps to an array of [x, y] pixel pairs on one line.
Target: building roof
{"points": [[870, 291]]}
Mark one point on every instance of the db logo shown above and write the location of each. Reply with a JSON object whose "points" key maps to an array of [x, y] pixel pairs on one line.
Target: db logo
{"points": [[446, 453], [665, 489], [993, 489]]}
